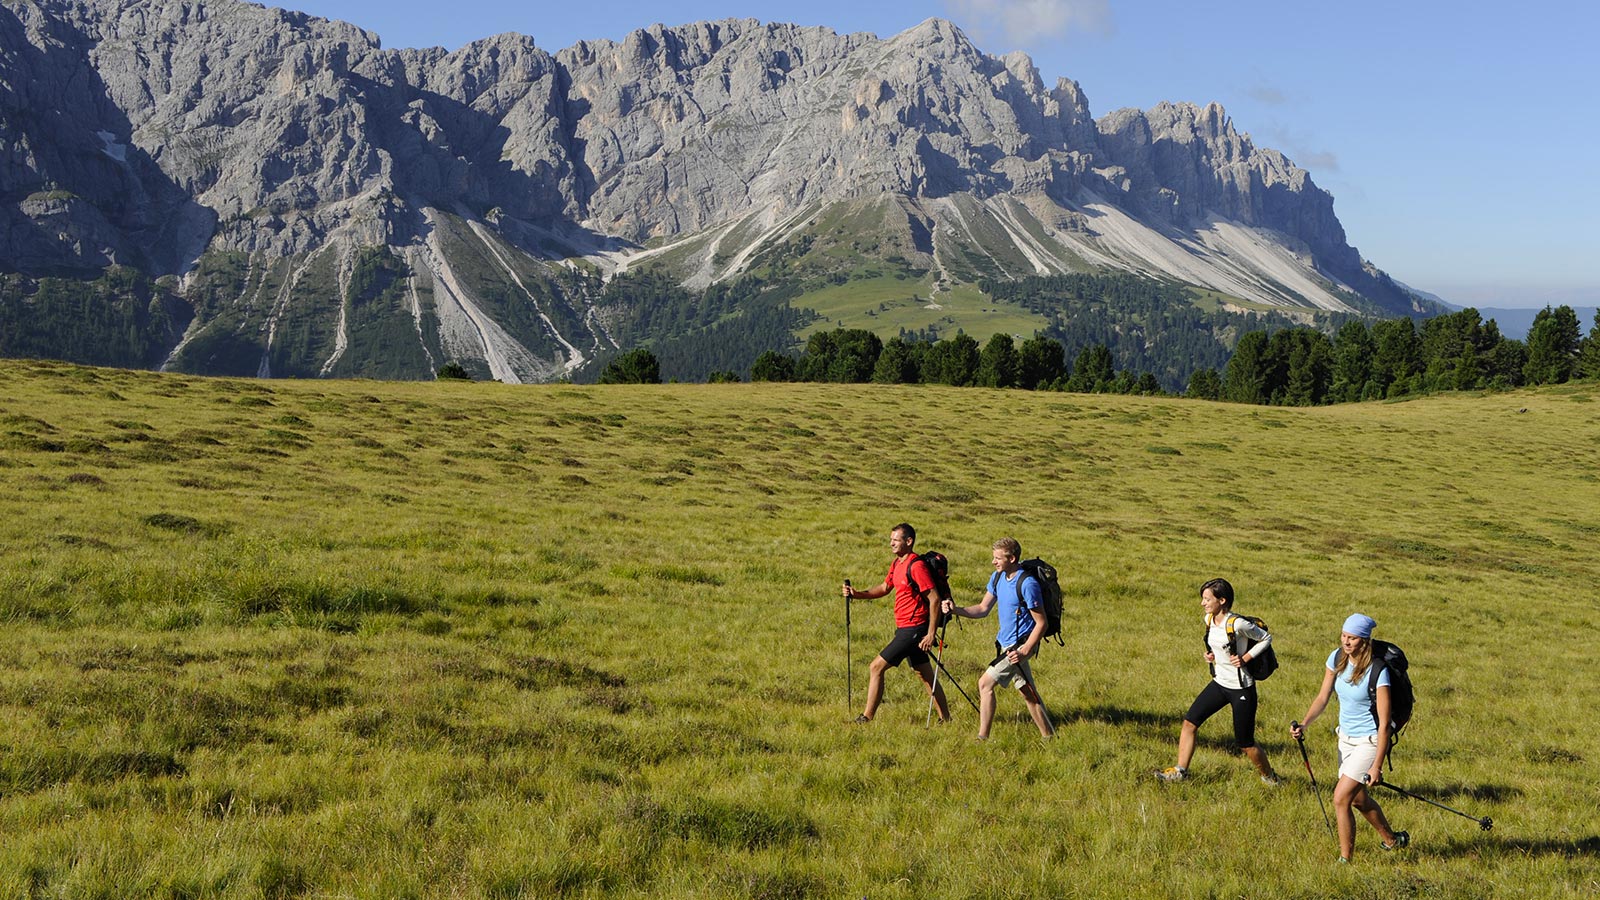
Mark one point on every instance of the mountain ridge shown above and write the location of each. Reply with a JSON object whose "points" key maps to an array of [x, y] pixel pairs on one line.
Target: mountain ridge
{"points": [[221, 127]]}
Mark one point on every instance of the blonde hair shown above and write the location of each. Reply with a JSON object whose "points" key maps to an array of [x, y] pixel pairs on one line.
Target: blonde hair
{"points": [[1010, 546], [1361, 660]]}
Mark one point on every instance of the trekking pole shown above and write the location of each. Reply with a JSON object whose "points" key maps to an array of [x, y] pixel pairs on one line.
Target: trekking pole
{"points": [[933, 691], [1484, 822], [1301, 740], [957, 682], [849, 689]]}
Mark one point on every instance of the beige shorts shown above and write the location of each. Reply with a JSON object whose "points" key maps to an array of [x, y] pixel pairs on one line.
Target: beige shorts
{"points": [[1009, 674], [1356, 755]]}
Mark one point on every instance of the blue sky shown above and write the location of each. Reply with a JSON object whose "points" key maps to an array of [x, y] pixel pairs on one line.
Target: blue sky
{"points": [[1461, 142]]}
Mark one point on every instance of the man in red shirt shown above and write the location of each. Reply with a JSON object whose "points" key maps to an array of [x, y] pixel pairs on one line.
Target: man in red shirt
{"points": [[916, 599]]}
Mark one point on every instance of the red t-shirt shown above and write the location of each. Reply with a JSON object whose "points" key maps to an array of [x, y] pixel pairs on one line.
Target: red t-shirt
{"points": [[910, 602]]}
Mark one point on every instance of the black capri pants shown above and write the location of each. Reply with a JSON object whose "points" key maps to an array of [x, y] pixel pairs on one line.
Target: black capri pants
{"points": [[1215, 697]]}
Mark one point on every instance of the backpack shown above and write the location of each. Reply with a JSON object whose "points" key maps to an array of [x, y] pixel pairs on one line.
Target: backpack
{"points": [[939, 571], [1402, 698], [1259, 668], [1050, 595]]}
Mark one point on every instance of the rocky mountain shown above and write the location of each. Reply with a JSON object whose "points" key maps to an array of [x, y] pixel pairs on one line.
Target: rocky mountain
{"points": [[278, 195]]}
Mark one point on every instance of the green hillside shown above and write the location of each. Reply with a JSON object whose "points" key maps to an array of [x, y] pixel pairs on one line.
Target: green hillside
{"points": [[871, 264], [352, 639]]}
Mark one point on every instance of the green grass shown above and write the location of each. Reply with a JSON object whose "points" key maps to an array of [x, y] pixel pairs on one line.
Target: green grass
{"points": [[886, 304], [1213, 301], [350, 639]]}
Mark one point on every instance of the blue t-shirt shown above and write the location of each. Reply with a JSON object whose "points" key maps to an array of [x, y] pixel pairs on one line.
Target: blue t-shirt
{"points": [[1015, 622], [1355, 707]]}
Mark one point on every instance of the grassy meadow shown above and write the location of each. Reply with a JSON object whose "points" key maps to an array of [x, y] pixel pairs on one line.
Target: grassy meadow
{"points": [[885, 305], [352, 639]]}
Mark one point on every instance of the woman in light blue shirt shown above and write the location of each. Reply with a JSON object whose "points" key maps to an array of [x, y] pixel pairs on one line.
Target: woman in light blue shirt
{"points": [[1363, 733]]}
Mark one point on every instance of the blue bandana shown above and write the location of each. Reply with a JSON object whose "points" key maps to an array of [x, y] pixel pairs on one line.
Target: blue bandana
{"points": [[1359, 625]]}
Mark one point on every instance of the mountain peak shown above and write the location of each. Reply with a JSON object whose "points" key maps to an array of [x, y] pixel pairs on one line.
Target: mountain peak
{"points": [[296, 145]]}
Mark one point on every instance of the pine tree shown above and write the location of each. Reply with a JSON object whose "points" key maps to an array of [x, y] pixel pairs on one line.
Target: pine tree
{"points": [[1205, 384], [1589, 355], [772, 366], [1552, 346], [997, 364], [1310, 369], [1505, 365], [637, 366], [952, 362], [1245, 380], [1398, 358], [1093, 371], [897, 364], [1352, 362], [1040, 362]]}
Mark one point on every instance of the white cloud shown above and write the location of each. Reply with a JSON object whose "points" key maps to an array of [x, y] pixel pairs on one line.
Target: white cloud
{"points": [[1301, 148], [1027, 23], [1267, 95], [1316, 160]]}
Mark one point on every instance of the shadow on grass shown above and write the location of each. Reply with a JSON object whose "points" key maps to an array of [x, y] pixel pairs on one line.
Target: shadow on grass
{"points": [[1143, 721], [1488, 793], [1570, 848], [26, 772], [1216, 734], [1587, 846]]}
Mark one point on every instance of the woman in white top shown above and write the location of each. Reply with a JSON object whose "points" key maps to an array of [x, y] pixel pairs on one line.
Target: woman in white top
{"points": [[1363, 733], [1230, 684]]}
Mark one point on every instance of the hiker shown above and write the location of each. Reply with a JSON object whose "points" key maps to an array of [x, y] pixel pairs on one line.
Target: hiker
{"points": [[1230, 685], [1363, 736], [916, 597], [1022, 624]]}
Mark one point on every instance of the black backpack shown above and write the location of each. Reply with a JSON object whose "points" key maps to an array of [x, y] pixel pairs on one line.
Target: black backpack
{"points": [[1402, 698], [1050, 594], [1259, 668], [939, 570]]}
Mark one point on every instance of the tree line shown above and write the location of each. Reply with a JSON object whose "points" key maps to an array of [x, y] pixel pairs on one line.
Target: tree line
{"points": [[1398, 357], [1148, 325], [1290, 366], [121, 318], [693, 336]]}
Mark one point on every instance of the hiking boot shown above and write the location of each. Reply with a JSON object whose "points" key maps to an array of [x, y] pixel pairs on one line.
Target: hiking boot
{"points": [[1343, 860], [1172, 774], [860, 720], [1401, 839], [1271, 779]]}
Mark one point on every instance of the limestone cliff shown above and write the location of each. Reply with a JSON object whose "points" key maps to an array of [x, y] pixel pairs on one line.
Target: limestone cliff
{"points": [[260, 156]]}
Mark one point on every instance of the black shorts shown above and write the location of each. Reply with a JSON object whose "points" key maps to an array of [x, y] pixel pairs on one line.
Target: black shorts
{"points": [[904, 647], [1243, 701]]}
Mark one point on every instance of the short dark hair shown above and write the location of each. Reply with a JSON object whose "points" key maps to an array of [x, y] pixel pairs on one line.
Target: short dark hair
{"points": [[906, 530], [1219, 588]]}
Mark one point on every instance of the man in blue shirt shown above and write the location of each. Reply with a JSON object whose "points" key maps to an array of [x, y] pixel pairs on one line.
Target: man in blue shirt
{"points": [[1020, 599]]}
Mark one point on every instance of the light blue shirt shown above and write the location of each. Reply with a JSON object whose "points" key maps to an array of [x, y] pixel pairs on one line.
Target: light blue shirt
{"points": [[1355, 708], [1015, 622]]}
